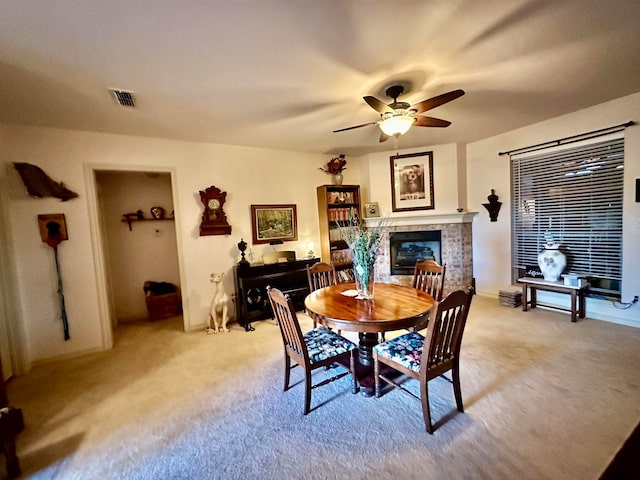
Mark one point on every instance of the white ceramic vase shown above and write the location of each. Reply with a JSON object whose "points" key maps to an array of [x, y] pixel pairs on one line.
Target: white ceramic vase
{"points": [[552, 262]]}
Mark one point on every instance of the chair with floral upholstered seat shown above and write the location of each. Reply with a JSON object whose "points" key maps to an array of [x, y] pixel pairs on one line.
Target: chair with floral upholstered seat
{"points": [[317, 348], [426, 357]]}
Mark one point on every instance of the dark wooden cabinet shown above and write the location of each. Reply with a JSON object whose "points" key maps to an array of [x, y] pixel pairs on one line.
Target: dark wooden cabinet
{"points": [[251, 287]]}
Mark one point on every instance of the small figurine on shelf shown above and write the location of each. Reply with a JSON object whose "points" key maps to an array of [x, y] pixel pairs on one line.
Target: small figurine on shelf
{"points": [[157, 212]]}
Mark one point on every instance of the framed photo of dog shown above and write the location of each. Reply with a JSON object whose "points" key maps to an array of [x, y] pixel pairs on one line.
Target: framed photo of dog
{"points": [[412, 181]]}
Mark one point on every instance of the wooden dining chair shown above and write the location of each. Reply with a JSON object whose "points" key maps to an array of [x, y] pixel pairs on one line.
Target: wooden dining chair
{"points": [[321, 275], [428, 276], [426, 357], [317, 348]]}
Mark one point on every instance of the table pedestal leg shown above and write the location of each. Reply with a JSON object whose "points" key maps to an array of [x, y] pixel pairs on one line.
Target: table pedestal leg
{"points": [[365, 358], [365, 348]]}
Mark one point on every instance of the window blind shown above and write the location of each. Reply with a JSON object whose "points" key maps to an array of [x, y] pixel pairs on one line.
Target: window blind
{"points": [[576, 196]]}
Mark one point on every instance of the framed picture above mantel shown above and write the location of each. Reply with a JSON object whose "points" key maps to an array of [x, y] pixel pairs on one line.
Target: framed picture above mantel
{"points": [[412, 181]]}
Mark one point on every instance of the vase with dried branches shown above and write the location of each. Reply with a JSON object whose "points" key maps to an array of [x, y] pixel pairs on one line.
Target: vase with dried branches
{"points": [[364, 244]]}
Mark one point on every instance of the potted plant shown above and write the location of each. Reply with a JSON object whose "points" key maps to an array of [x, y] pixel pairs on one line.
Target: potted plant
{"points": [[335, 167]]}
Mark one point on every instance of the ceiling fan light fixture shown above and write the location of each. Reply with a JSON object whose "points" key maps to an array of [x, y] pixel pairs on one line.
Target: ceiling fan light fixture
{"points": [[396, 125]]}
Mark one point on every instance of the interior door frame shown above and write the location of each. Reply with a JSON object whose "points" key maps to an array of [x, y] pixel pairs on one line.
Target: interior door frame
{"points": [[107, 318]]}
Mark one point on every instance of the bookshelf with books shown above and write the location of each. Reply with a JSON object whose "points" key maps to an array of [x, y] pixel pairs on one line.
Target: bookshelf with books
{"points": [[334, 204]]}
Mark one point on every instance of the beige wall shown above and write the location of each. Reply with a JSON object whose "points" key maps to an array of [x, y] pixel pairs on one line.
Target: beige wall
{"points": [[248, 175], [446, 179], [487, 170]]}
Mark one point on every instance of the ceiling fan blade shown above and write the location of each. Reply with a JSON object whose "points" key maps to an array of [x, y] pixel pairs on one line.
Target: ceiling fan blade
{"points": [[434, 102], [430, 122], [356, 126], [384, 137], [378, 105]]}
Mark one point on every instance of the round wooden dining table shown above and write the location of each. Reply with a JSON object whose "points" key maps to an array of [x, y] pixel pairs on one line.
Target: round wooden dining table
{"points": [[393, 307]]}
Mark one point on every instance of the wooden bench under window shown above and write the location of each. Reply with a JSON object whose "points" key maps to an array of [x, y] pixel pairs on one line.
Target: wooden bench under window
{"points": [[577, 293]]}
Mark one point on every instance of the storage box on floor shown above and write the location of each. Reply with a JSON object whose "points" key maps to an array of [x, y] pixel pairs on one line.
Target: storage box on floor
{"points": [[162, 305]]}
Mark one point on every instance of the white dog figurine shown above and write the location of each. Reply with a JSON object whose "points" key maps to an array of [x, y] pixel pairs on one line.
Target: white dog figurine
{"points": [[218, 308]]}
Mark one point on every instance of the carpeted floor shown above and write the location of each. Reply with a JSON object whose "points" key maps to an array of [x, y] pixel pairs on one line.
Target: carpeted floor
{"points": [[544, 399]]}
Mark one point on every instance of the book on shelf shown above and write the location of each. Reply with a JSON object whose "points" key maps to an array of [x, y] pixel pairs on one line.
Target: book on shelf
{"points": [[335, 234], [345, 275], [339, 214]]}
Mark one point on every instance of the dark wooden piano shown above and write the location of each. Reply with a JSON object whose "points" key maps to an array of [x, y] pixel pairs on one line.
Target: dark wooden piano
{"points": [[251, 287]]}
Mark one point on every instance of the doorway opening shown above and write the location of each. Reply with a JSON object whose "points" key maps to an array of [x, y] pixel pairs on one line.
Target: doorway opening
{"points": [[134, 231]]}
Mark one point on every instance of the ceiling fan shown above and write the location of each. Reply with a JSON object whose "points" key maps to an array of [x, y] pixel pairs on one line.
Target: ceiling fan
{"points": [[397, 117]]}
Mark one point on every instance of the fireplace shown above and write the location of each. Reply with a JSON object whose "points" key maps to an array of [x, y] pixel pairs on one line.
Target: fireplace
{"points": [[407, 248], [453, 231]]}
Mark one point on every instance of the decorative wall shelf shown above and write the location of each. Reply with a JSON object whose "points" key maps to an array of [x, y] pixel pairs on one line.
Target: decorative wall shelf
{"points": [[129, 221]]}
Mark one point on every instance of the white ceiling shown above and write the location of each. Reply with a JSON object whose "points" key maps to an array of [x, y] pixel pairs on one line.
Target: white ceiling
{"points": [[285, 73]]}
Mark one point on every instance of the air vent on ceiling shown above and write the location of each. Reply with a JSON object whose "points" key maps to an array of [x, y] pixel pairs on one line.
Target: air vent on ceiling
{"points": [[123, 97]]}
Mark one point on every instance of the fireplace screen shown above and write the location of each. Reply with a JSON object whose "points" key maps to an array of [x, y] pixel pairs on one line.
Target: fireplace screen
{"points": [[407, 248]]}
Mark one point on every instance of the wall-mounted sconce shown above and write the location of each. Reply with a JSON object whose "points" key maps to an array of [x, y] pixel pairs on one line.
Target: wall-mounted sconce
{"points": [[493, 207]]}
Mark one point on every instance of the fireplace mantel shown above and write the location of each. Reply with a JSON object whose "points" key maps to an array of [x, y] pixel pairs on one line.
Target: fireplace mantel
{"points": [[413, 219]]}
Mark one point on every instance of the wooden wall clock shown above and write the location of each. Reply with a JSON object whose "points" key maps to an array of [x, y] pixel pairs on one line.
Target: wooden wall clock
{"points": [[214, 220]]}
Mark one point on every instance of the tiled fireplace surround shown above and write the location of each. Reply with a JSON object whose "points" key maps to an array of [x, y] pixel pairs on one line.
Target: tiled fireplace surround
{"points": [[456, 248]]}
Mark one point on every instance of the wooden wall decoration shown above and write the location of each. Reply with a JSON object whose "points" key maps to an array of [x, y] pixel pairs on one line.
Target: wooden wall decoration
{"points": [[40, 185]]}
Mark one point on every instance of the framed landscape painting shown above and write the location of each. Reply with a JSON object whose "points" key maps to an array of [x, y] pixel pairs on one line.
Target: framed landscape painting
{"points": [[274, 222], [412, 181]]}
